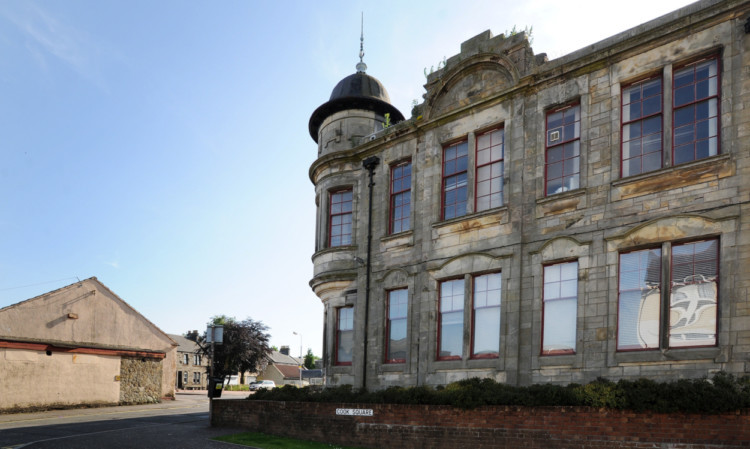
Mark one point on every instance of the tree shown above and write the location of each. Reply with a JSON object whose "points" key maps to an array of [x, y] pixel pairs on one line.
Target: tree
{"points": [[310, 359], [245, 346]]}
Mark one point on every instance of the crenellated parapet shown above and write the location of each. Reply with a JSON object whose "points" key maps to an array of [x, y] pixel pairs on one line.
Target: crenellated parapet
{"points": [[487, 65]]}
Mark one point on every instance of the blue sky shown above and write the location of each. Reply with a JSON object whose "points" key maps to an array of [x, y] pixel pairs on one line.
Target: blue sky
{"points": [[163, 146]]}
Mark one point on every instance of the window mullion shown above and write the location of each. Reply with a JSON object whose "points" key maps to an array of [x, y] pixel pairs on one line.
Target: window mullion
{"points": [[468, 317], [666, 287], [471, 172], [667, 109]]}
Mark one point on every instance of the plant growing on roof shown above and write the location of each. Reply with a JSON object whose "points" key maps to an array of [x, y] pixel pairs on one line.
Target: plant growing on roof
{"points": [[440, 66], [527, 29], [387, 123]]}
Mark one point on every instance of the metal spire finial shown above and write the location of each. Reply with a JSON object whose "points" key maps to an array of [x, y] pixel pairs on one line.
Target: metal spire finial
{"points": [[361, 66]]}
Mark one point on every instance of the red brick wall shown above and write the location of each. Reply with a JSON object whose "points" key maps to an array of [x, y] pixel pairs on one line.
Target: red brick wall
{"points": [[426, 427]]}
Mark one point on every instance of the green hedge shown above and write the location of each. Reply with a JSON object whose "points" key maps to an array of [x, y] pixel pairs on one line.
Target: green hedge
{"points": [[722, 393]]}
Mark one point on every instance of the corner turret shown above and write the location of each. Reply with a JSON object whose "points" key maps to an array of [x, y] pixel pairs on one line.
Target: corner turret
{"points": [[356, 108]]}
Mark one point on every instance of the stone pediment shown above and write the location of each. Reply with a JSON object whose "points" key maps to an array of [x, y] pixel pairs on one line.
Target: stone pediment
{"points": [[485, 67], [478, 81]]}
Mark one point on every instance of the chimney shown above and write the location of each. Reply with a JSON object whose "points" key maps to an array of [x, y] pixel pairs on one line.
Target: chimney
{"points": [[192, 335], [284, 350]]}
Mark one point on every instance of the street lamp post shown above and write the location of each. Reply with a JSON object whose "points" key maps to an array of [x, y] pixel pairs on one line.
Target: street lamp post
{"points": [[215, 335], [302, 363], [300, 344]]}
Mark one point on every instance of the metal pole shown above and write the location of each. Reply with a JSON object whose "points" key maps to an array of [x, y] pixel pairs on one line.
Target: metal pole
{"points": [[370, 163], [300, 345], [212, 358], [212, 388]]}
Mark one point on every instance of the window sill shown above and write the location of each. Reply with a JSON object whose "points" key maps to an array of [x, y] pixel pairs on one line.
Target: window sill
{"points": [[561, 202], [485, 357], [490, 216], [405, 238], [494, 363], [668, 355], [566, 359], [708, 169], [447, 365], [449, 359], [560, 196], [340, 369], [392, 367]]}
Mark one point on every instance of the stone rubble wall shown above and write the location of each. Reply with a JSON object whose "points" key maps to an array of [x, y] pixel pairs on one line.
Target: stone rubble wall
{"points": [[140, 380]]}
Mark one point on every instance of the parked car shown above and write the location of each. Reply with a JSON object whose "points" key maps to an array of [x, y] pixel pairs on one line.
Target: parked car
{"points": [[262, 384]]}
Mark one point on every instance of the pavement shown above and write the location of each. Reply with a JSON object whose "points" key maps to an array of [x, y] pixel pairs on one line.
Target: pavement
{"points": [[187, 399], [179, 423]]}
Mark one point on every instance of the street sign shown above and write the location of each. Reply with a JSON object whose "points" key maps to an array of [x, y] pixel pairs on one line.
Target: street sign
{"points": [[354, 411]]}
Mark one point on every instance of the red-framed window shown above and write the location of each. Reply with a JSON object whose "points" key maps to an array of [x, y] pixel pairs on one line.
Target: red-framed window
{"points": [[695, 115], [641, 127], [400, 197], [340, 218], [485, 327], [455, 176], [451, 320], [489, 177], [398, 311], [563, 149], [692, 292], [639, 300], [560, 310], [344, 335]]}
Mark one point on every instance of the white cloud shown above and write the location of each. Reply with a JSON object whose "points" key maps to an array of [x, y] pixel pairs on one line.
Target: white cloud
{"points": [[114, 263], [49, 38]]}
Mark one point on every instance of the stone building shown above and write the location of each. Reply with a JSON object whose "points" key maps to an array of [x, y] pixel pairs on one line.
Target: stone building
{"points": [[282, 368], [81, 345], [192, 366], [543, 221]]}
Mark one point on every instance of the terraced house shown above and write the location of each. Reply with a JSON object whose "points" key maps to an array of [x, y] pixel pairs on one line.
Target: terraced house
{"points": [[543, 221]]}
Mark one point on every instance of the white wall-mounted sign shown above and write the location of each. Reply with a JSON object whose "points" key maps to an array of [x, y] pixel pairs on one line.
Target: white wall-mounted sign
{"points": [[354, 411], [215, 334]]}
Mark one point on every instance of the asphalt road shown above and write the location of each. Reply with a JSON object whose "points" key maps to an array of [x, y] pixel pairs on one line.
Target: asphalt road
{"points": [[182, 423]]}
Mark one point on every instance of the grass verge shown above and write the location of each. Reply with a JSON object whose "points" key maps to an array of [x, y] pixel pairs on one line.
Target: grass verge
{"points": [[263, 441], [237, 387]]}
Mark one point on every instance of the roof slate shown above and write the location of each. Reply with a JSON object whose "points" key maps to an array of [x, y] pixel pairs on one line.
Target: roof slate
{"points": [[185, 344]]}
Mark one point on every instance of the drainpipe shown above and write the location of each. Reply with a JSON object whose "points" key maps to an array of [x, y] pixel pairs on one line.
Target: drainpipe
{"points": [[325, 345], [370, 163]]}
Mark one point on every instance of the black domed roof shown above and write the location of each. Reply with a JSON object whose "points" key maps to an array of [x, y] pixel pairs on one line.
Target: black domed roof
{"points": [[357, 91], [360, 84]]}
